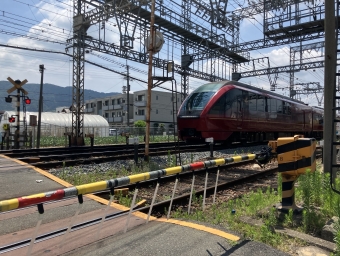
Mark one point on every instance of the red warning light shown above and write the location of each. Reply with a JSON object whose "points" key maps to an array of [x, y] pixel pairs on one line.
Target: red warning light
{"points": [[11, 119], [28, 101]]}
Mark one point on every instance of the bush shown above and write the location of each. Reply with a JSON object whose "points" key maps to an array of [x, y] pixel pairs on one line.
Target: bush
{"points": [[140, 123]]}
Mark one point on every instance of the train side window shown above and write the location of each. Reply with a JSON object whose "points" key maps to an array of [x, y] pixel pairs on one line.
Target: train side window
{"points": [[252, 103], [218, 107], [286, 108], [272, 108], [233, 103], [266, 103], [234, 109], [245, 101], [279, 105], [261, 103], [272, 105]]}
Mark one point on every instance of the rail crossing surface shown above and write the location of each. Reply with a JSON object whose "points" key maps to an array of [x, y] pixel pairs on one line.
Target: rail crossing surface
{"points": [[123, 235]]}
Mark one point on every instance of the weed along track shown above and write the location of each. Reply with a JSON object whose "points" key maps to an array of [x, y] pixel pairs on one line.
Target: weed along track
{"points": [[248, 175], [233, 180]]}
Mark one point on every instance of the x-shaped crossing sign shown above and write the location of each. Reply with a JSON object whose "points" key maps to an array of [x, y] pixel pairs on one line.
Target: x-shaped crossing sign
{"points": [[17, 86]]}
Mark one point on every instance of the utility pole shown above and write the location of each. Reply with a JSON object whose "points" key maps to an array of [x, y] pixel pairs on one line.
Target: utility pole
{"points": [[329, 85], [128, 95], [148, 105], [41, 69], [17, 132]]}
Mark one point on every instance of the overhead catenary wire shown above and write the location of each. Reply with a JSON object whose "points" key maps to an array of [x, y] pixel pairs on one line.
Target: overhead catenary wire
{"points": [[175, 47]]}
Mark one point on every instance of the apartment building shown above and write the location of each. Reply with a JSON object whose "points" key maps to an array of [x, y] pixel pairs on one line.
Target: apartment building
{"points": [[114, 108]]}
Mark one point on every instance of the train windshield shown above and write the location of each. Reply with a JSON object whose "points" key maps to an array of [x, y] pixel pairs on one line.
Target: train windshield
{"points": [[194, 104]]}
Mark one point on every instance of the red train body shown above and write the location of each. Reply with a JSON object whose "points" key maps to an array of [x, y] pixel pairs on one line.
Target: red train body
{"points": [[232, 111]]}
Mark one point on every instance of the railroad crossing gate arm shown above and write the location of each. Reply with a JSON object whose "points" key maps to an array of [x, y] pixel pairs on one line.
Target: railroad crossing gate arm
{"points": [[264, 156]]}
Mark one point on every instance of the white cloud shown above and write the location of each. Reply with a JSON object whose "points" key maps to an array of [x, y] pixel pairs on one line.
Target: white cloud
{"points": [[55, 20]]}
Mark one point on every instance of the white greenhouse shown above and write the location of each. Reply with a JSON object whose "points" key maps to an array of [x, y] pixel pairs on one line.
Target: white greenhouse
{"points": [[56, 124]]}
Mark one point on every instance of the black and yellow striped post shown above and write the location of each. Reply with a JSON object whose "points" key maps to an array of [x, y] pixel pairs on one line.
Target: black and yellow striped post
{"points": [[295, 156]]}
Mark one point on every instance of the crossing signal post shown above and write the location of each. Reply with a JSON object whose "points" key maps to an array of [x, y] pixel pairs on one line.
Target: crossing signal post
{"points": [[17, 85], [295, 156]]}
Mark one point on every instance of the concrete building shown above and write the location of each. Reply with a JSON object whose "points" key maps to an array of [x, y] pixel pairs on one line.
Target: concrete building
{"points": [[114, 108]]}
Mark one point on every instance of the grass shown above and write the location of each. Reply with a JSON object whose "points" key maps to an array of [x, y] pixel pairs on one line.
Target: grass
{"points": [[127, 199], [79, 177], [312, 191], [229, 215], [53, 141]]}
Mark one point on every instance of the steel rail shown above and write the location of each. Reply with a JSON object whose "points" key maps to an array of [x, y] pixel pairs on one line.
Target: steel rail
{"points": [[15, 153], [182, 175], [125, 155]]}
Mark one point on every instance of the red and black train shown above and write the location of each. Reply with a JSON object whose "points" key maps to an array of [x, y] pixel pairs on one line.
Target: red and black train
{"points": [[231, 111]]}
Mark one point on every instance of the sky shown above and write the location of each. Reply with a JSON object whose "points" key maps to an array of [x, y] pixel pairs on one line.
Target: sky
{"points": [[47, 24]]}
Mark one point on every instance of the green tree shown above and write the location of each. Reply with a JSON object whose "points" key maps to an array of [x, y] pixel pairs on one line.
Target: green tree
{"points": [[140, 123], [162, 127]]}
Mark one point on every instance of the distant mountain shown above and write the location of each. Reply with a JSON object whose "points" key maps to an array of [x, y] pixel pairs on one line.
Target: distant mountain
{"points": [[53, 96]]}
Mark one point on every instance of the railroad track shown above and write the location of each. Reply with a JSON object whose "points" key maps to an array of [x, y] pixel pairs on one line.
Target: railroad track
{"points": [[180, 176], [19, 153], [56, 158]]}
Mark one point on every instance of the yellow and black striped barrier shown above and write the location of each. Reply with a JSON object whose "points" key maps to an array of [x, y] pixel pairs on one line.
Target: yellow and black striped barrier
{"points": [[295, 156], [59, 194]]}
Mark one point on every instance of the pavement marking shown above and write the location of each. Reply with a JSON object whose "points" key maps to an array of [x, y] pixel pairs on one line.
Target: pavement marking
{"points": [[201, 227], [66, 184], [141, 203]]}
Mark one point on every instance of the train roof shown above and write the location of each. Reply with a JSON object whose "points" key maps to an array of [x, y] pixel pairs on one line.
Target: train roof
{"points": [[263, 91]]}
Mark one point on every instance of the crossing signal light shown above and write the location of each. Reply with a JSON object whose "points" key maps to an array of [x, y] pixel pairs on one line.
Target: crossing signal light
{"points": [[28, 101], [11, 119], [8, 99]]}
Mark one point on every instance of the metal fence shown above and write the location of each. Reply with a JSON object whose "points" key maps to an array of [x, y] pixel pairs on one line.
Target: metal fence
{"points": [[57, 136], [141, 131], [60, 131]]}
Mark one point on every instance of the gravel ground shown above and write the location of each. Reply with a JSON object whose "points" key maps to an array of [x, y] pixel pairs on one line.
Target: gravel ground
{"points": [[156, 162]]}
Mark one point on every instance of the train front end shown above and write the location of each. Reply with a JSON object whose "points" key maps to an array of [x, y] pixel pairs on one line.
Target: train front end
{"points": [[190, 122]]}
